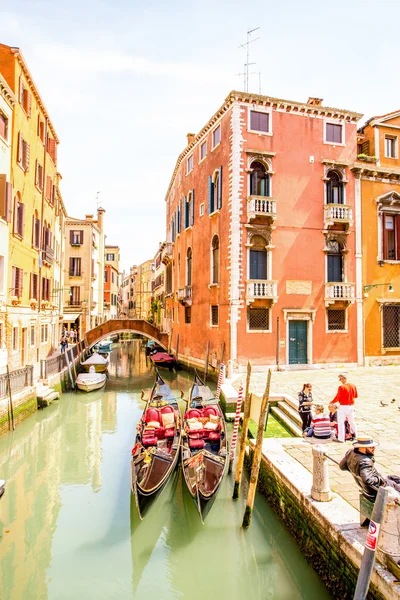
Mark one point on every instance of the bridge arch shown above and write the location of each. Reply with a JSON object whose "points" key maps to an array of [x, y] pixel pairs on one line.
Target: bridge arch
{"points": [[114, 326]]}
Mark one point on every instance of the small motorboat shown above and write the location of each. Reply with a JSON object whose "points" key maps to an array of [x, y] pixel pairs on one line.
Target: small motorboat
{"points": [[163, 360], [152, 347], [88, 382], [204, 447], [100, 363], [104, 346], [2, 487], [156, 451]]}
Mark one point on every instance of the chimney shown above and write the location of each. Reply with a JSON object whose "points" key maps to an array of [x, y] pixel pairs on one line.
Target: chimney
{"points": [[190, 137], [89, 217], [100, 218], [315, 101]]}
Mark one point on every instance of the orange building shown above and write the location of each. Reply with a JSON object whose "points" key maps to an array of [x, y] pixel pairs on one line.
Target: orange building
{"points": [[378, 170], [261, 244]]}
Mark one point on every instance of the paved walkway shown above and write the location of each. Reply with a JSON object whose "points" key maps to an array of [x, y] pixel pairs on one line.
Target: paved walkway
{"points": [[374, 384]]}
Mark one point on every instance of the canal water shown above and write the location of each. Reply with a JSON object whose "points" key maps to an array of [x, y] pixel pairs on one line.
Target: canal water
{"points": [[69, 528]]}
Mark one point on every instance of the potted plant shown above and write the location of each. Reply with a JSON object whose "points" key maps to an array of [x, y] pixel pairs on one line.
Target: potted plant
{"points": [[15, 300], [366, 158], [33, 303]]}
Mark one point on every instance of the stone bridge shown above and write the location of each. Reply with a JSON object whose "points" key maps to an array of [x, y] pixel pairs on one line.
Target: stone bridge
{"points": [[114, 326]]}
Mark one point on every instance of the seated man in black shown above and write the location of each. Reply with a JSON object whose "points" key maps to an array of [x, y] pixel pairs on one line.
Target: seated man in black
{"points": [[360, 462]]}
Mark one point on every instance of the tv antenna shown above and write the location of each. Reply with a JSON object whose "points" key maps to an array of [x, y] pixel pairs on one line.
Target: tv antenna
{"points": [[98, 198], [245, 46]]}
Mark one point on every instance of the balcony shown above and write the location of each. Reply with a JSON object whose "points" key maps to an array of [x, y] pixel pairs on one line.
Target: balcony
{"points": [[166, 253], [48, 255], [74, 303], [339, 292], [261, 206], [338, 214], [261, 289], [185, 295]]}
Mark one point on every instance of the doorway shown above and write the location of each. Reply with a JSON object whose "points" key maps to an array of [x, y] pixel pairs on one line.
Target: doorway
{"points": [[298, 348]]}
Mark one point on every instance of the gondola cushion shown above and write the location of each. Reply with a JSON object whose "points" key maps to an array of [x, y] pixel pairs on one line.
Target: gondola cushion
{"points": [[150, 440], [193, 413], [168, 418], [196, 443], [214, 435], [210, 410], [151, 414], [169, 433]]}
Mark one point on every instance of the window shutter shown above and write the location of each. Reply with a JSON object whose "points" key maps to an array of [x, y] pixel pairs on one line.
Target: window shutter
{"points": [[3, 192], [19, 148], [220, 188], [328, 192], [210, 194], [33, 231], [28, 154], [19, 282], [185, 211], [36, 173], [31, 286], [21, 90], [385, 238], [397, 226], [81, 235], [71, 236], [15, 223], [8, 214], [29, 104], [21, 214], [192, 209]]}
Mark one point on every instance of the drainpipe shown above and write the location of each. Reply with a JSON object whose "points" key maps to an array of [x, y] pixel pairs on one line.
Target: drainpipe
{"points": [[41, 233], [358, 256]]}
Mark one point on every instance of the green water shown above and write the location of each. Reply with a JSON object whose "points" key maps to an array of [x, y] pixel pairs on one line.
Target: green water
{"points": [[68, 529]]}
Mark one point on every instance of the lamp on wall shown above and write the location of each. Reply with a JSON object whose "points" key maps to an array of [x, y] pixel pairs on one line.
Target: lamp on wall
{"points": [[369, 287]]}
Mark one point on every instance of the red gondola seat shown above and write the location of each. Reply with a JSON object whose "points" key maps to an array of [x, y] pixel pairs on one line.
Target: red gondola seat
{"points": [[196, 443], [149, 440]]}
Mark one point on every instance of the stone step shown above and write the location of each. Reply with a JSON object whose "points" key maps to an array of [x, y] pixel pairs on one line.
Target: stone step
{"points": [[44, 401], [287, 421], [290, 412]]}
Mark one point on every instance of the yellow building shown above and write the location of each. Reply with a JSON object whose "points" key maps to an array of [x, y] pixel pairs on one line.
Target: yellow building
{"points": [[378, 172], [143, 290], [32, 314], [112, 300]]}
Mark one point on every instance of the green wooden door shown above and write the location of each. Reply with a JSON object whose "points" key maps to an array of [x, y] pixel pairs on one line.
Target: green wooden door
{"points": [[298, 342]]}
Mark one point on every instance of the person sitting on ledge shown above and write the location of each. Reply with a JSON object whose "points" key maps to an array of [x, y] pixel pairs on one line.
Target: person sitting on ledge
{"points": [[320, 425], [360, 460]]}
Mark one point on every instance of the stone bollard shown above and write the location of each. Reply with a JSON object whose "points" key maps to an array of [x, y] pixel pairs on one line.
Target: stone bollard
{"points": [[389, 540], [229, 370], [320, 490]]}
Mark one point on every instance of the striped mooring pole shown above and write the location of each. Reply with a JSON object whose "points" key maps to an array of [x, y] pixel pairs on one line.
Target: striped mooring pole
{"points": [[221, 379], [236, 427]]}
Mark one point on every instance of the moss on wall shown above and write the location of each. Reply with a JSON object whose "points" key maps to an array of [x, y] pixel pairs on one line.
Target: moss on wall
{"points": [[333, 566], [21, 411]]}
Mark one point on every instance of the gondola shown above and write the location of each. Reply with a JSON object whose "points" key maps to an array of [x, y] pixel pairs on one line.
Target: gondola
{"points": [[163, 360], [204, 447], [156, 451]]}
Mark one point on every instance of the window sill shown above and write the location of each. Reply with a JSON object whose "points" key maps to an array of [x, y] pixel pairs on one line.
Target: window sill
{"points": [[258, 331], [215, 147], [341, 144], [213, 285], [188, 173], [4, 141], [215, 212], [337, 331], [267, 133], [392, 157], [214, 326], [389, 262], [40, 190], [392, 349], [202, 160], [22, 167], [17, 235], [189, 228]]}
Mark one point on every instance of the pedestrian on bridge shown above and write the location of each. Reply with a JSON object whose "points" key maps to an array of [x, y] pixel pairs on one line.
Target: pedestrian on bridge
{"points": [[344, 399]]}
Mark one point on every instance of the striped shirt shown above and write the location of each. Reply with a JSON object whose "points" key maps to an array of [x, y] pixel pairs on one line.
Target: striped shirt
{"points": [[321, 425]]}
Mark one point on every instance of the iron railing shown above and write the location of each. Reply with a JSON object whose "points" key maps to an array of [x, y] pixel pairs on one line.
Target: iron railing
{"points": [[19, 379]]}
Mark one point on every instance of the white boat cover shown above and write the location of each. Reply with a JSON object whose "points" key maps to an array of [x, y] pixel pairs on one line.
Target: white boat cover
{"points": [[95, 359]]}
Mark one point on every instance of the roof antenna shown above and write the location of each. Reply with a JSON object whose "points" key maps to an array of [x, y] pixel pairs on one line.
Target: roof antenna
{"points": [[245, 46], [98, 199]]}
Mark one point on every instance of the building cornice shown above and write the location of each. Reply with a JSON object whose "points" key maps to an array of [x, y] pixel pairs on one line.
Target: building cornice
{"points": [[268, 101], [6, 92], [372, 171], [72, 221], [21, 61]]}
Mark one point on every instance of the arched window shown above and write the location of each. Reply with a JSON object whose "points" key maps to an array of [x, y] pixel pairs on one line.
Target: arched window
{"points": [[215, 260], [19, 211], [335, 262], [258, 258], [334, 188], [259, 180], [189, 267]]}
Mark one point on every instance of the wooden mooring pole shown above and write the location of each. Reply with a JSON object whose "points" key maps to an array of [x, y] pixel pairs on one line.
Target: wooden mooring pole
{"points": [[243, 439], [255, 467], [206, 365], [11, 400]]}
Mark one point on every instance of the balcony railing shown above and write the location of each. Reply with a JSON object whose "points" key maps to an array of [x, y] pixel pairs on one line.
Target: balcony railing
{"points": [[261, 289], [74, 303], [338, 214], [185, 295], [48, 255], [166, 254], [261, 206], [339, 292], [19, 379], [75, 273]]}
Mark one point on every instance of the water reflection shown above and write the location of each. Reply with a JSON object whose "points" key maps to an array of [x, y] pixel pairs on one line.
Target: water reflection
{"points": [[69, 530]]}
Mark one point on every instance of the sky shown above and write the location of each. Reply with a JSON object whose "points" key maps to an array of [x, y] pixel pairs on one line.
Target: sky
{"points": [[124, 81]]}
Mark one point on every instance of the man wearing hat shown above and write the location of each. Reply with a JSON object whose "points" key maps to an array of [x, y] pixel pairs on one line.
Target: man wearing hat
{"points": [[360, 460], [346, 394]]}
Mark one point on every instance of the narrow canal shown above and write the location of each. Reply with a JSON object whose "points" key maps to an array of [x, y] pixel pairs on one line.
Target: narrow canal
{"points": [[69, 530]]}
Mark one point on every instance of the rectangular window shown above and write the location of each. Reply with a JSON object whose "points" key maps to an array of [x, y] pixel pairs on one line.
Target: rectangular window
{"points": [[45, 289], [333, 133], [189, 164], [391, 326], [105, 276], [25, 98], [391, 237], [44, 333], [75, 268], [75, 295], [258, 264], [40, 129], [32, 335], [188, 314], [35, 232], [390, 147], [112, 278], [214, 315], [34, 287], [203, 150], [258, 319], [16, 282], [3, 126], [52, 149], [110, 256], [336, 320], [39, 176], [216, 136], [19, 212], [49, 190], [201, 209], [23, 153], [259, 121], [76, 238], [15, 338]]}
